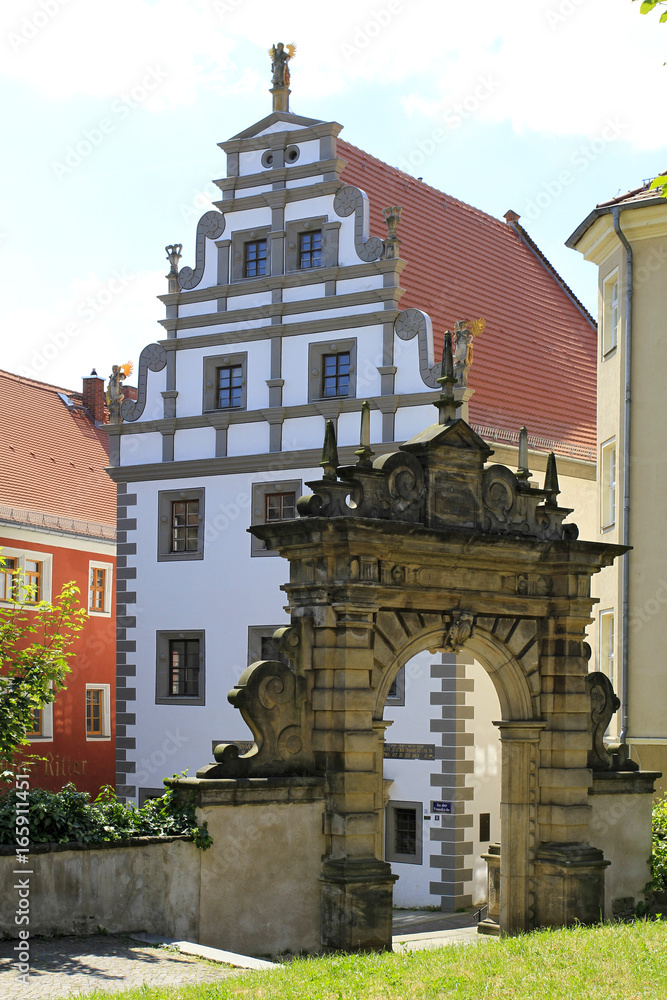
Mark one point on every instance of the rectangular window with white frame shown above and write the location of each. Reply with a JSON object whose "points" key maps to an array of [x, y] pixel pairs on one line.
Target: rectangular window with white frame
{"points": [[607, 644], [608, 484], [42, 725], [98, 712], [610, 313], [100, 580], [25, 576]]}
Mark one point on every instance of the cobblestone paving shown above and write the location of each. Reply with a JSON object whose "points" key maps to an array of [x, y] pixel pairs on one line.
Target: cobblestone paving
{"points": [[74, 966]]}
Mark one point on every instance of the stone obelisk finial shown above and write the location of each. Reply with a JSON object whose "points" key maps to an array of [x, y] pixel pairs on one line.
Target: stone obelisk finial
{"points": [[446, 402], [280, 57], [363, 452]]}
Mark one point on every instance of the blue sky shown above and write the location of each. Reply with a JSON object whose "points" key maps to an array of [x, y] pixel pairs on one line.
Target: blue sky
{"points": [[112, 113]]}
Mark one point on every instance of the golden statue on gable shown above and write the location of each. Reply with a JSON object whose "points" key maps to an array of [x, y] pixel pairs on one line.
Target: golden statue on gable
{"points": [[280, 79]]}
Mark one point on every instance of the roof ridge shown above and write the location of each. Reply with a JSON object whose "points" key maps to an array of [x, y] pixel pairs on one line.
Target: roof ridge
{"points": [[26, 380]]}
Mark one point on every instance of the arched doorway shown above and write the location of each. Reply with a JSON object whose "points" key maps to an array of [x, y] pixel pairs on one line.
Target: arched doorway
{"points": [[441, 772]]}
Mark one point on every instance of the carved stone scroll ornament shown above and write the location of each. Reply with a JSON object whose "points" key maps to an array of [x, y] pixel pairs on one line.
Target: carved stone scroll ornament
{"points": [[267, 697], [152, 358], [392, 489], [350, 199], [459, 632], [604, 703], [511, 507], [414, 323], [211, 226]]}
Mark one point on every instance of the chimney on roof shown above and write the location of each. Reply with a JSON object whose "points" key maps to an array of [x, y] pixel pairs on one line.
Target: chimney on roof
{"points": [[511, 217], [93, 397]]}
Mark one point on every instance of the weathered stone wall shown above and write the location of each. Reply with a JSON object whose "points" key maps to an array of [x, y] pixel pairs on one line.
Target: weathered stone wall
{"points": [[74, 889], [260, 890]]}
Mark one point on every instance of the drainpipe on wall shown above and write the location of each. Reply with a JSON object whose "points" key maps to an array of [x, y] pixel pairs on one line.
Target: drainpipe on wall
{"points": [[625, 575]]}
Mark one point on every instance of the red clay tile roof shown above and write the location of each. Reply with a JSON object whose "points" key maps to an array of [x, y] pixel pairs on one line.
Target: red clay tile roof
{"points": [[536, 362], [52, 457]]}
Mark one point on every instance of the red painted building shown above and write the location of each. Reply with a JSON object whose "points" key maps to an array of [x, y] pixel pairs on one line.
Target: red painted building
{"points": [[57, 523]]}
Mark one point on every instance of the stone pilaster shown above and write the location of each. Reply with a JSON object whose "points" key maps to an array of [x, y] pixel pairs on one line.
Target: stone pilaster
{"points": [[518, 816], [356, 885]]}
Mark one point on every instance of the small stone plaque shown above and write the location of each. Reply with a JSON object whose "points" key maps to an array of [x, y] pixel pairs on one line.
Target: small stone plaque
{"points": [[409, 751]]}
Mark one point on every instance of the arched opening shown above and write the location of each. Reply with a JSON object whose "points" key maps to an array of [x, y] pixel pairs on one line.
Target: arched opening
{"points": [[442, 764], [441, 773]]}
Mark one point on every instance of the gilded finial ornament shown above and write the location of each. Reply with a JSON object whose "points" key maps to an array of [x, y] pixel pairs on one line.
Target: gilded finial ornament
{"points": [[280, 75]]}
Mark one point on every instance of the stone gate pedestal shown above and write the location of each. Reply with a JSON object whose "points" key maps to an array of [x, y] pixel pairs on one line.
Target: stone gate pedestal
{"points": [[356, 905], [569, 885]]}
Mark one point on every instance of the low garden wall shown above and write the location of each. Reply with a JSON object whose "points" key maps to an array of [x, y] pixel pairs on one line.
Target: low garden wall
{"points": [[621, 827], [149, 884]]}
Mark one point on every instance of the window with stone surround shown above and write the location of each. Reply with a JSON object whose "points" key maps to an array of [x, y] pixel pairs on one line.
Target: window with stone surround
{"points": [[250, 254], [273, 501], [261, 645], [180, 677], [304, 244], [225, 382], [403, 832], [332, 370], [180, 525]]}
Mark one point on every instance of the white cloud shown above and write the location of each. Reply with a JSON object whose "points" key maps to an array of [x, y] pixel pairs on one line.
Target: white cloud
{"points": [[106, 320], [563, 66]]}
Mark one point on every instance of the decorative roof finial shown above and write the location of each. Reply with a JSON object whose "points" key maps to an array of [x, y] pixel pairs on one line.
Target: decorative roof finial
{"points": [[523, 472], [280, 57], [392, 217], [364, 450], [173, 256], [329, 461], [446, 403], [551, 487]]}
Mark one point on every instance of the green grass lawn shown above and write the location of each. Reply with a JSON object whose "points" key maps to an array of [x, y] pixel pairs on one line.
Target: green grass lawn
{"points": [[619, 961]]}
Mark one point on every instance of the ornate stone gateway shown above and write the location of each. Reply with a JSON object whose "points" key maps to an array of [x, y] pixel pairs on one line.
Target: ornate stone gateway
{"points": [[430, 548]]}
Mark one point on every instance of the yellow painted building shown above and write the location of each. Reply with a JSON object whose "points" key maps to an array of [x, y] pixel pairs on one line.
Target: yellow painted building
{"points": [[627, 239]]}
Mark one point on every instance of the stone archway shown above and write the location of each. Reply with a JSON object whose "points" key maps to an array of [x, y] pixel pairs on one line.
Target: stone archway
{"points": [[429, 545]]}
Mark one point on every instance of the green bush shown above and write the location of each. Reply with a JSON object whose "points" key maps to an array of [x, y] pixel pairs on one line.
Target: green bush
{"points": [[69, 816], [659, 845]]}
